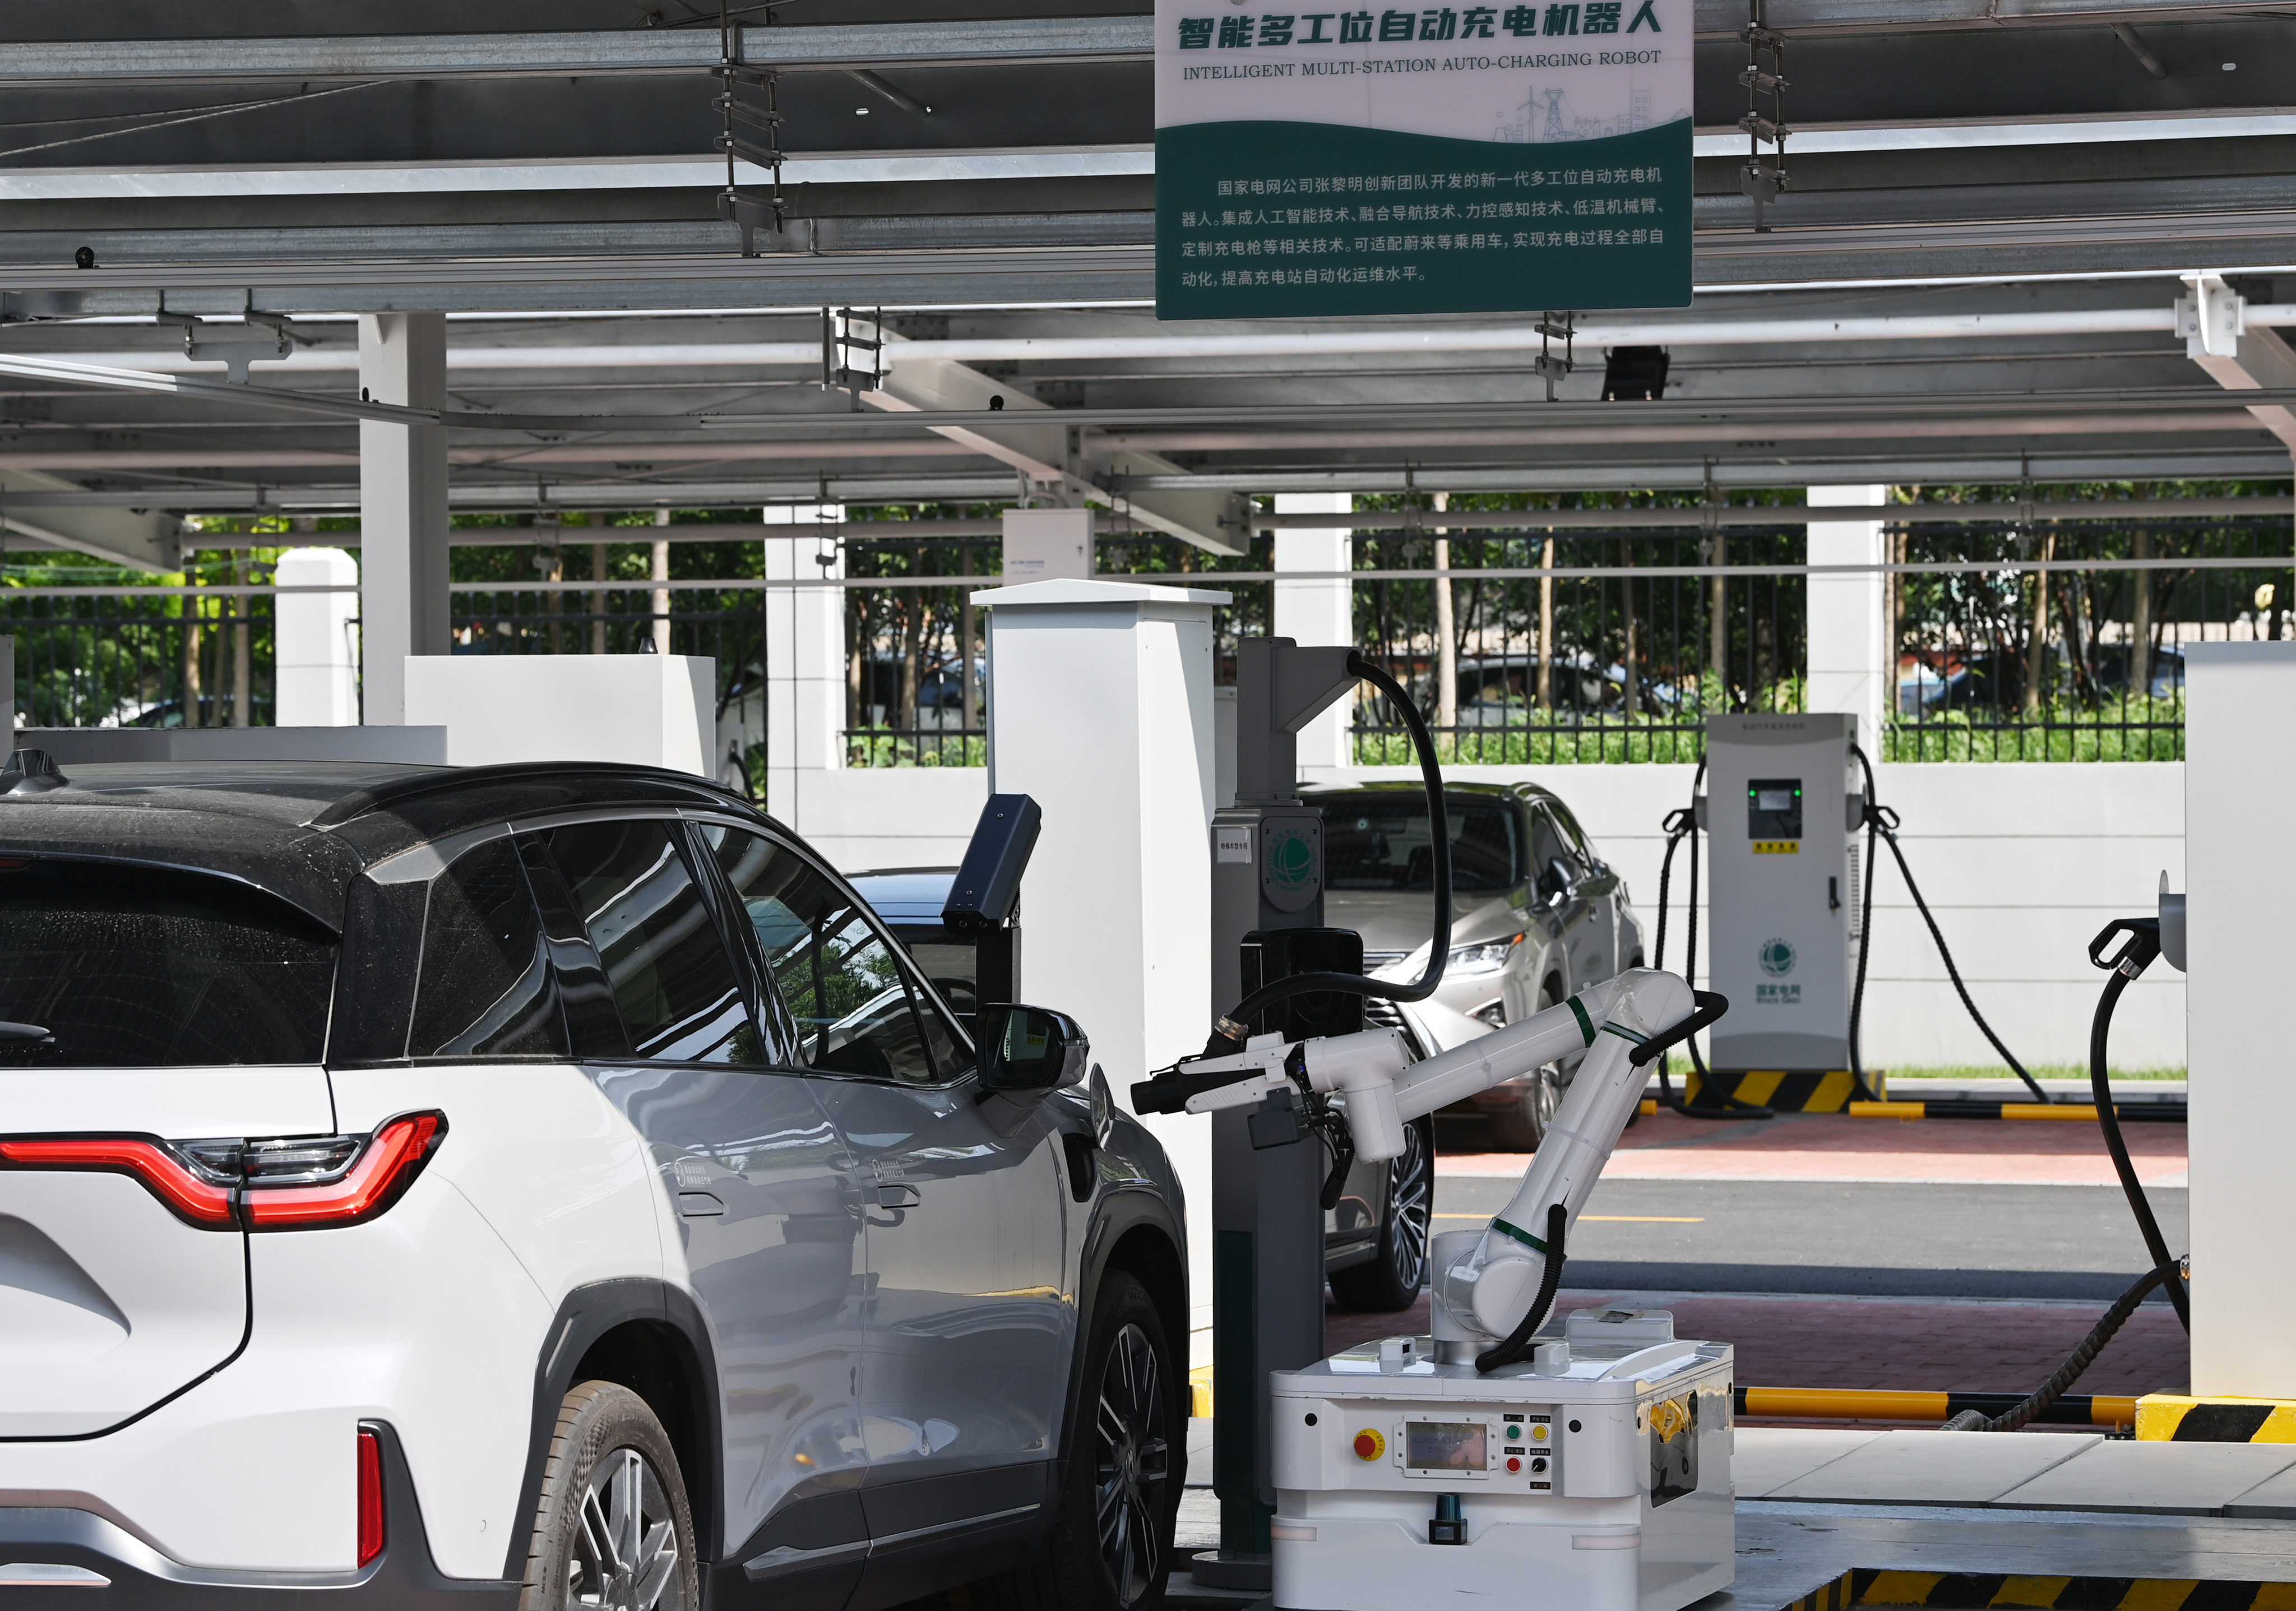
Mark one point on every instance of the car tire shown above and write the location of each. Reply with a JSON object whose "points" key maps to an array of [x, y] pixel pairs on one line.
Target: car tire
{"points": [[1119, 1500], [1521, 1124], [613, 1528], [1397, 1273]]}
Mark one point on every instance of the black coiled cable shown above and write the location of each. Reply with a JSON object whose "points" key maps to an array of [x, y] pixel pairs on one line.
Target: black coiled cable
{"points": [[1976, 1421], [1517, 1342]]}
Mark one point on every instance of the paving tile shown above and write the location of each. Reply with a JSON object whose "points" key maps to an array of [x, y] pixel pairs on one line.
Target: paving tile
{"points": [[2188, 1478], [2273, 1499], [1934, 1467], [1765, 1458]]}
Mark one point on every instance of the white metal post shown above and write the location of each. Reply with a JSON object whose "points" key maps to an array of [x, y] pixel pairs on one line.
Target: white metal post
{"points": [[316, 674], [1851, 668], [402, 506], [1317, 614], [804, 704], [2239, 770], [1100, 702]]}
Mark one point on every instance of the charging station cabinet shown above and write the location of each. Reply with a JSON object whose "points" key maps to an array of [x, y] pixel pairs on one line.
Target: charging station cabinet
{"points": [[1782, 808]]}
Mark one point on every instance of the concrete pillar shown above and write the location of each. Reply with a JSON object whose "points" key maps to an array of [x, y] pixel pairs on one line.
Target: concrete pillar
{"points": [[1100, 707], [402, 506], [315, 676], [2239, 770], [1317, 614], [803, 715], [1850, 668]]}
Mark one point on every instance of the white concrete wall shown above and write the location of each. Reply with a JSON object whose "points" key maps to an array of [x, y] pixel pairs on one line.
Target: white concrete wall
{"points": [[2022, 865], [869, 819], [648, 710]]}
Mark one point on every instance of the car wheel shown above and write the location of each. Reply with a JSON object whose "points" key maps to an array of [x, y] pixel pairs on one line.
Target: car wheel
{"points": [[1521, 1124], [1395, 1275], [1111, 1547], [613, 1529]]}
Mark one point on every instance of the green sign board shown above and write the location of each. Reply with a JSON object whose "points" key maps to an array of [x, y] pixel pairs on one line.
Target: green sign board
{"points": [[1443, 160]]}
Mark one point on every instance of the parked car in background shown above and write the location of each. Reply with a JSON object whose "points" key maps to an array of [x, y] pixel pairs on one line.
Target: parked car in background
{"points": [[1537, 915], [546, 1184], [1376, 1239]]}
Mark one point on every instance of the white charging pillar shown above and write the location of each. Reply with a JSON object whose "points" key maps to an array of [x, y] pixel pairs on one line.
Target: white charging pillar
{"points": [[1850, 664], [1100, 708], [316, 678], [2240, 773], [805, 657], [404, 607], [1317, 612]]}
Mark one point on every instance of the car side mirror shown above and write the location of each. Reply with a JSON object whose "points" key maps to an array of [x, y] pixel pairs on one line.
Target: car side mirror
{"points": [[1029, 1051]]}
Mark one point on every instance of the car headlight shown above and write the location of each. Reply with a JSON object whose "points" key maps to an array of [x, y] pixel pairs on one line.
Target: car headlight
{"points": [[1486, 957]]}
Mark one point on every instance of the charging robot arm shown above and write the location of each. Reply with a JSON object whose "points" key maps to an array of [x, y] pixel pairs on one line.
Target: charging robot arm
{"points": [[1621, 1025]]}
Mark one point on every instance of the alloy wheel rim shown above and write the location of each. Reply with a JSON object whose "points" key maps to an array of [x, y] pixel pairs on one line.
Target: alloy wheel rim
{"points": [[1134, 1461], [625, 1555], [1411, 1202]]}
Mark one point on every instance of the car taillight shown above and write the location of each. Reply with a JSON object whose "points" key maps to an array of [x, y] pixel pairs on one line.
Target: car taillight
{"points": [[367, 1182], [370, 1496], [296, 1183], [193, 1193]]}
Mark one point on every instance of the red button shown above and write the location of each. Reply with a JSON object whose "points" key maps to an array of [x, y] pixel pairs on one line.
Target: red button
{"points": [[1514, 1464]]}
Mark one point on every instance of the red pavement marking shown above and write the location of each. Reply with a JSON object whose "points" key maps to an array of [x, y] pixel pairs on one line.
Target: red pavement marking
{"points": [[1833, 1147], [1949, 1346]]}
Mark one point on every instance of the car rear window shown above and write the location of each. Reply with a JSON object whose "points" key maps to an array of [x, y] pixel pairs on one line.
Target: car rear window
{"points": [[141, 967], [1382, 843]]}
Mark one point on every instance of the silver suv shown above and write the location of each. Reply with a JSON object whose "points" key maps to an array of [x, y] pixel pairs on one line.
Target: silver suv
{"points": [[544, 1186], [1538, 914]]}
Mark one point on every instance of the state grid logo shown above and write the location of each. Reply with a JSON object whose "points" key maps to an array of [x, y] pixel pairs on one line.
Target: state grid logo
{"points": [[1778, 960]]}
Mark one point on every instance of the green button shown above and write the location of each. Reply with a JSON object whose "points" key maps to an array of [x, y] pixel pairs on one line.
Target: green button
{"points": [[1514, 1432]]}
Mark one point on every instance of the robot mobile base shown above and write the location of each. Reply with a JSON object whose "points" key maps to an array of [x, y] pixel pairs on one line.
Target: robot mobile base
{"points": [[1595, 1475]]}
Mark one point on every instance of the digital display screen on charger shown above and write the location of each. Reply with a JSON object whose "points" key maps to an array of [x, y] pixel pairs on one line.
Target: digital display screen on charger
{"points": [[1443, 1446]]}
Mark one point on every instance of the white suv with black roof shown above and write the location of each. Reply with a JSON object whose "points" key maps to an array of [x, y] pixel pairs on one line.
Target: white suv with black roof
{"points": [[543, 1186]]}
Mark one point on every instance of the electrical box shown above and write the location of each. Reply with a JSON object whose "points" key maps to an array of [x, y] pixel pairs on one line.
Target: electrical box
{"points": [[1784, 805]]}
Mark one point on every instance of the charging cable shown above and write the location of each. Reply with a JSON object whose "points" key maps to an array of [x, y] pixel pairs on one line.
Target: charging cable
{"points": [[1881, 821], [1680, 825], [2135, 956]]}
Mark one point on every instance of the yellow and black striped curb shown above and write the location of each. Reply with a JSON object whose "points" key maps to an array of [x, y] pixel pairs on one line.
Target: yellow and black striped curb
{"points": [[1898, 1404], [2171, 1418], [1975, 1590], [1798, 1091]]}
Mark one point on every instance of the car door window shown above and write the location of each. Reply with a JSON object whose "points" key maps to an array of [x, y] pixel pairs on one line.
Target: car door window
{"points": [[485, 987], [857, 1010], [673, 983]]}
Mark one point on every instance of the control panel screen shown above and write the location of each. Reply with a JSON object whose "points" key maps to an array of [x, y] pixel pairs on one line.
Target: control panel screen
{"points": [[1443, 1445], [1773, 809]]}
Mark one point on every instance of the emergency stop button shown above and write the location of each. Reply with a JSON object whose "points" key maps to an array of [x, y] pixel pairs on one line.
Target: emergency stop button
{"points": [[1369, 1444]]}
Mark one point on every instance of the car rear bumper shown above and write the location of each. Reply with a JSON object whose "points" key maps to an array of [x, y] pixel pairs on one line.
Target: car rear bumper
{"points": [[55, 1555]]}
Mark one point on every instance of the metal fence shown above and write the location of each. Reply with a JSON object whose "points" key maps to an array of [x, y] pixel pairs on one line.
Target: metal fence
{"points": [[138, 657], [2015, 638]]}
